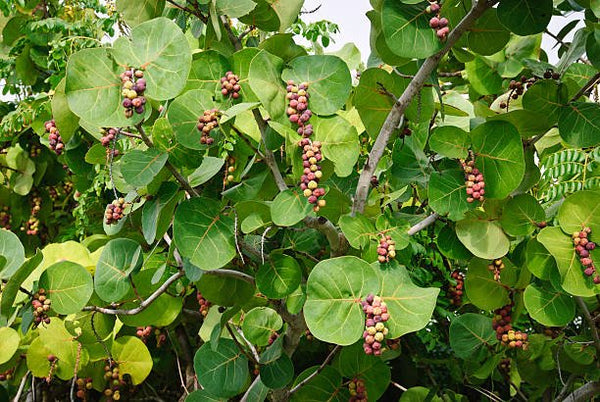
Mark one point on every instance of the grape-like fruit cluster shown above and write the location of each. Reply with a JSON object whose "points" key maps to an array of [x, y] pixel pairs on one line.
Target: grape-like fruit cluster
{"points": [[41, 305], [7, 375], [83, 386], [35, 151], [517, 88], [229, 171], [504, 366], [393, 344], [273, 337], [358, 391], [114, 383], [438, 23], [377, 314], [551, 74], [455, 292], [54, 139], [5, 217], [32, 226], [504, 331], [204, 304], [473, 179], [583, 247], [144, 332], [206, 123], [298, 111], [496, 268], [115, 211], [387, 249], [230, 85], [108, 136], [134, 85]]}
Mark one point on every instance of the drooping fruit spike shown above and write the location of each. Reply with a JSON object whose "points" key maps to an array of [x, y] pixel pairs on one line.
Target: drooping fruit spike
{"points": [[455, 292], [584, 246], [55, 141], [387, 248], [133, 85], [115, 211], [230, 86], [206, 123], [509, 337], [376, 313], [474, 182]]}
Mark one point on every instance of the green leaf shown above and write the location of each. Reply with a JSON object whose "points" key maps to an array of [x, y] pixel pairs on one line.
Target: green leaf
{"points": [[68, 285], [450, 141], [521, 215], [484, 238], [203, 233], [483, 291], [470, 333], [235, 8], [334, 290], [579, 210], [328, 78], [488, 35], [224, 291], [135, 13], [201, 395], [207, 69], [325, 386], [283, 46], [66, 122], [10, 291], [259, 324], [289, 208], [552, 309], [483, 76], [119, 259], [264, 79], [578, 124], [525, 17], [499, 157], [9, 343], [450, 246], [139, 168], [279, 277], [539, 261], [153, 208], [340, 143], [447, 194], [358, 230], [222, 372], [406, 30], [278, 373], [419, 394], [161, 49], [410, 306], [11, 249], [208, 169], [133, 358], [545, 97], [183, 115]]}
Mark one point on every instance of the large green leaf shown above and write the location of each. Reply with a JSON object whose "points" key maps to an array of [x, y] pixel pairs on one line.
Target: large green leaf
{"points": [[207, 69], [539, 261], [272, 15], [499, 157], [552, 309], [161, 49], [153, 210], [483, 291], [470, 333], [264, 79], [325, 386], [133, 358], [447, 194], [358, 230], [9, 343], [183, 115], [334, 290], [450, 141], [68, 285], [259, 324], [203, 233], [225, 291], [278, 373], [410, 307], [11, 289], [483, 237], [340, 143], [289, 208], [12, 250], [579, 210], [119, 259], [66, 122], [579, 123], [488, 35], [521, 215], [328, 78], [139, 168], [136, 12], [235, 8], [279, 276], [545, 97], [525, 17], [222, 371], [483, 76]]}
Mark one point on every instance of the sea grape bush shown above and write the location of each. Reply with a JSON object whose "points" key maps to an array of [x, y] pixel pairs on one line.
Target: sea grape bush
{"points": [[194, 206]]}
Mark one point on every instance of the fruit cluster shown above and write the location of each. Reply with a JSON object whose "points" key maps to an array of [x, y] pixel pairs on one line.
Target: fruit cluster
{"points": [[230, 85], [204, 304], [134, 85], [115, 211], [108, 136], [377, 314], [387, 249], [5, 217], [551, 74], [496, 268], [7, 375], [273, 337], [230, 168], [504, 366], [438, 23], [54, 138], [41, 306], [83, 386], [393, 344], [583, 247], [358, 391], [35, 151], [455, 292], [114, 382], [206, 123], [32, 226], [298, 111], [143, 332], [504, 331], [473, 179]]}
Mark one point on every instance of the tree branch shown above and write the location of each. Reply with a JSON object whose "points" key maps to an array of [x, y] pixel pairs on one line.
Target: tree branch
{"points": [[196, 12], [589, 85], [317, 371], [565, 389], [268, 154], [588, 318], [230, 273], [237, 43], [423, 224], [584, 393], [413, 88]]}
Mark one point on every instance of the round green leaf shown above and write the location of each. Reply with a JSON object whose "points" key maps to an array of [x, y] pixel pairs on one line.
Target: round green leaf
{"points": [[488, 35], [407, 31], [259, 324], [139, 168], [161, 49], [482, 290], [133, 358], [9, 343], [521, 214], [289, 208], [450, 141], [447, 194], [278, 373], [553, 309], [449, 245], [578, 124], [419, 394], [546, 98], [235, 8], [483, 76], [183, 115], [224, 291], [222, 372], [499, 156], [580, 209], [482, 237], [334, 290], [525, 17], [539, 261], [119, 258], [66, 122], [264, 79], [135, 13], [470, 333], [340, 143], [203, 233], [60, 342], [207, 69], [328, 78], [201, 395], [358, 230], [325, 386], [279, 276], [69, 286], [12, 250]]}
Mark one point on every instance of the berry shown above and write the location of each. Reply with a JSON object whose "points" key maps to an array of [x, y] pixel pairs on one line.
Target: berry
{"points": [[358, 391], [455, 291], [41, 305], [133, 87], [583, 247], [204, 304], [504, 332], [386, 249], [496, 267], [54, 139]]}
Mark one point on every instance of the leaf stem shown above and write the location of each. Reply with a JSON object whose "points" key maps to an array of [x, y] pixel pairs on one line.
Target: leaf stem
{"points": [[317, 371]]}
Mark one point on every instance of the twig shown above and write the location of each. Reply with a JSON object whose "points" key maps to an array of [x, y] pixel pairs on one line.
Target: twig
{"points": [[317, 371], [246, 32], [237, 43], [21, 387], [423, 224], [268, 154], [21, 289], [262, 244], [400, 387], [231, 274], [239, 345], [565, 389], [584, 393], [128, 134], [247, 394], [413, 88], [196, 12], [590, 321], [588, 86], [181, 379], [314, 10], [250, 345]]}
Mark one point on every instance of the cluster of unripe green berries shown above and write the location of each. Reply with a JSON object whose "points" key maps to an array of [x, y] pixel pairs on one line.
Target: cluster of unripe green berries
{"points": [[230, 85], [230, 169], [496, 267], [387, 249], [377, 314], [501, 322], [54, 138], [7, 375], [583, 247], [439, 24], [115, 211], [134, 85], [206, 123], [114, 382], [41, 305], [83, 386], [312, 174], [358, 391], [5, 217], [473, 179], [204, 304], [455, 292], [35, 151]]}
